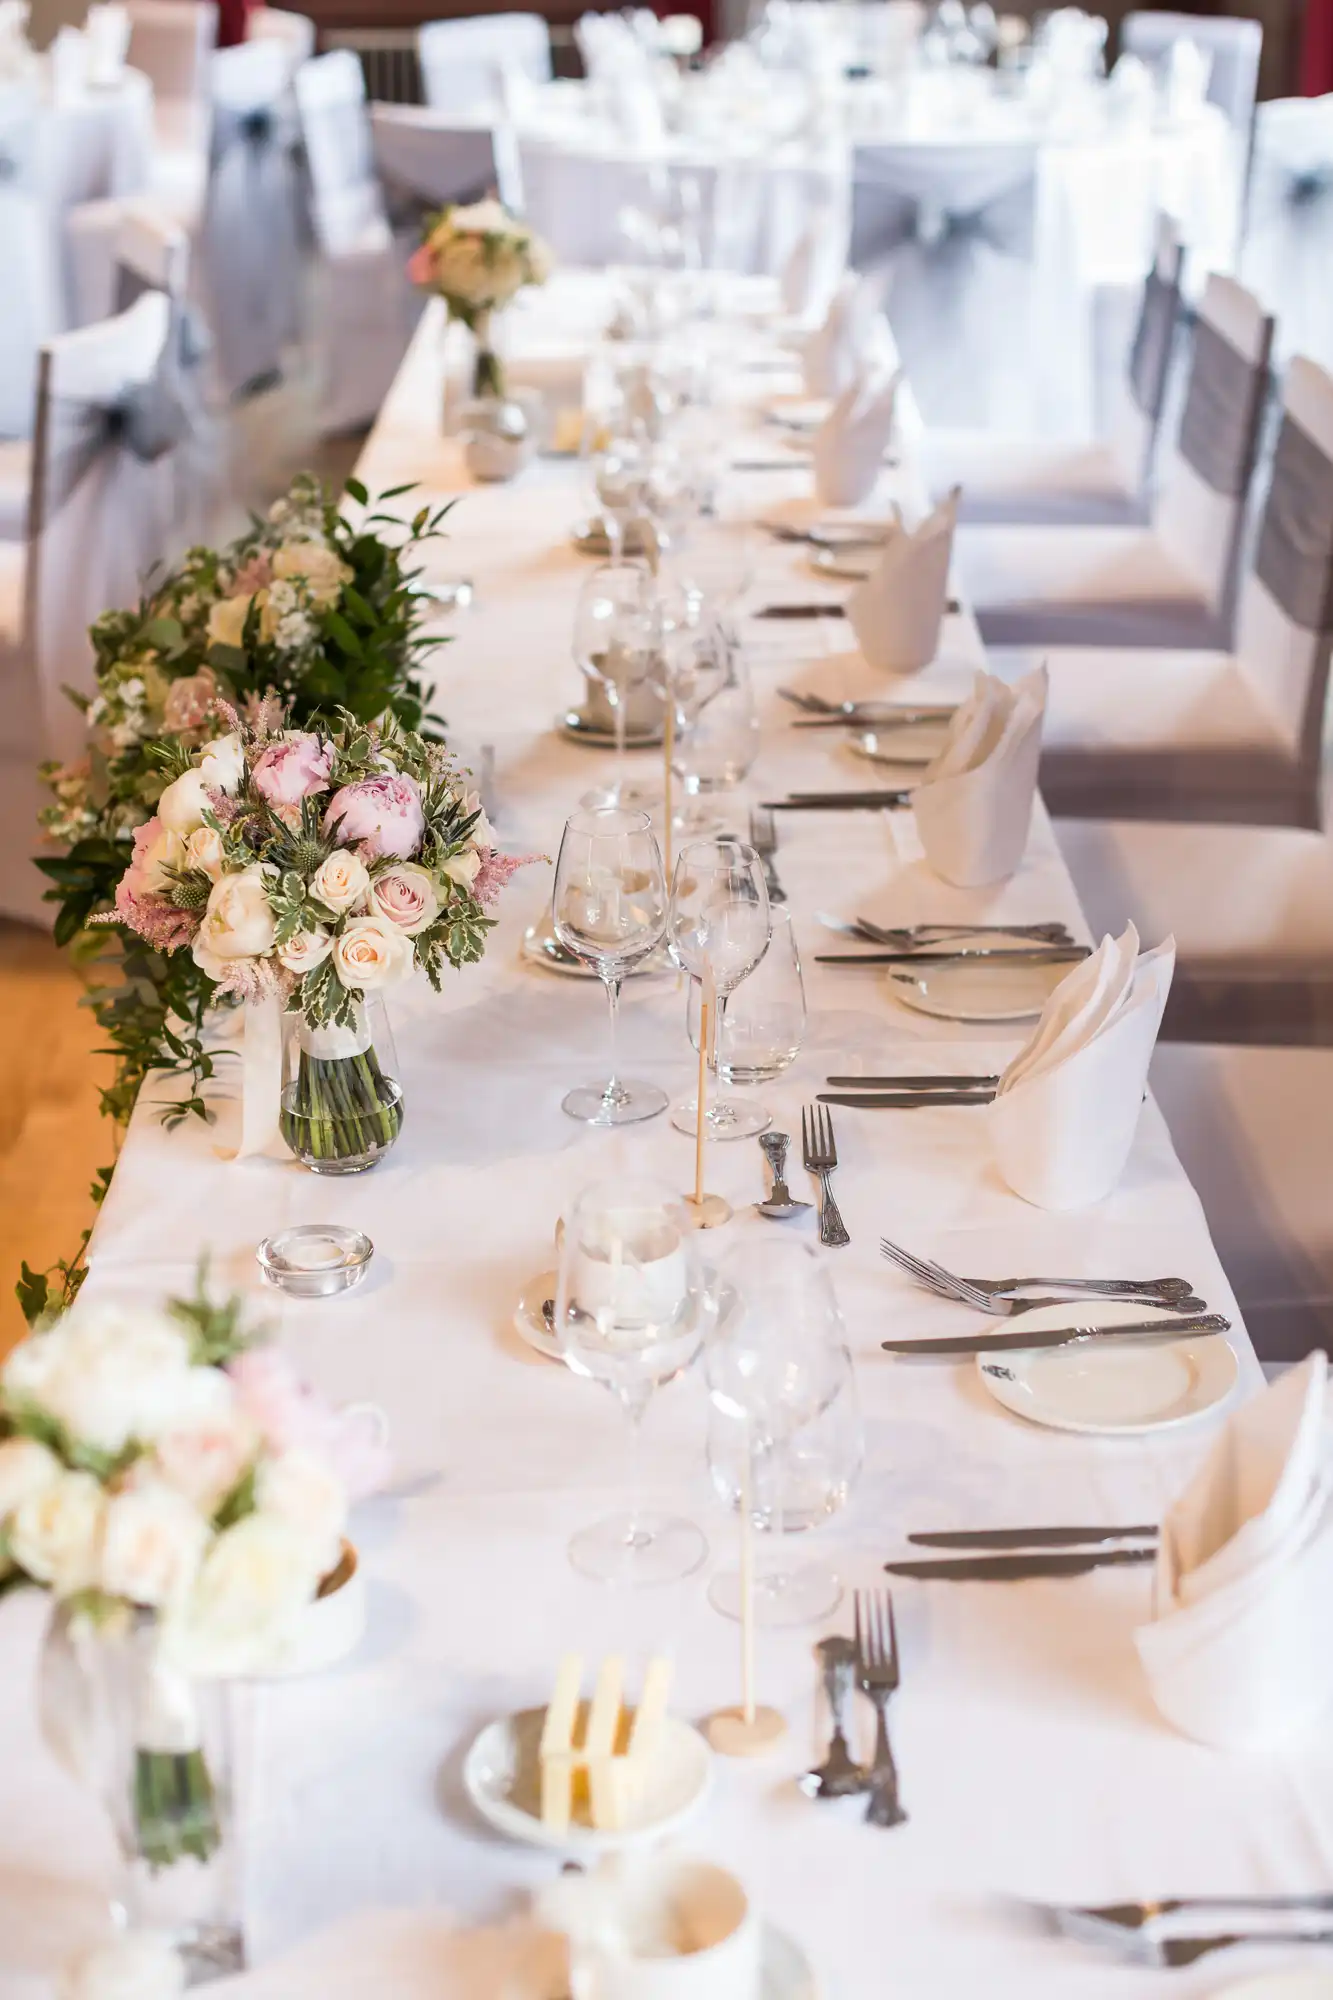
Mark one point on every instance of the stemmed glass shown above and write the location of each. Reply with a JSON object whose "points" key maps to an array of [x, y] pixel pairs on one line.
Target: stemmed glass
{"points": [[609, 908], [760, 1028], [632, 1311], [718, 929], [616, 641], [620, 475], [776, 1365]]}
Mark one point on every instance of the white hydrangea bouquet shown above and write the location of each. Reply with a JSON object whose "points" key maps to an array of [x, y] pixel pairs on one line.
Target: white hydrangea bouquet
{"points": [[478, 258], [310, 869]]}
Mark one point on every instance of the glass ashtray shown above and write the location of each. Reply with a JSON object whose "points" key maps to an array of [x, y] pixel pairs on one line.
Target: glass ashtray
{"points": [[315, 1260]]}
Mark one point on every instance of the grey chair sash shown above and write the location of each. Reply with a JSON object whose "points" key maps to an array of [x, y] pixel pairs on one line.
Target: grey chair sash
{"points": [[889, 222], [1219, 429], [1150, 356], [149, 420], [1295, 555]]}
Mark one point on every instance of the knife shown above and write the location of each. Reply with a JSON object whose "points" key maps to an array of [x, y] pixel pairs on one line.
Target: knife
{"points": [[1037, 954], [1029, 1538], [911, 718], [800, 610], [914, 1100], [911, 1082], [1016, 1568], [839, 802], [1059, 1336]]}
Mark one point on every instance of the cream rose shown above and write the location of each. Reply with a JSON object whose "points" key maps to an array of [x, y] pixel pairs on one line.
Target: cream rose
{"points": [[305, 1494], [222, 764], [26, 1469], [407, 896], [238, 922], [182, 806], [55, 1535], [204, 850], [252, 1585], [226, 621], [305, 951], [464, 868], [109, 1375], [371, 953], [153, 1541], [340, 882], [207, 1461], [147, 874], [320, 569]]}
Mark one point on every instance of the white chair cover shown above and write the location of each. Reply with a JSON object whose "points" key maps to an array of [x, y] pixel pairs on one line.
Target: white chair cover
{"points": [[172, 42], [31, 311], [463, 63], [427, 158], [1235, 46], [253, 225], [1288, 250], [294, 32]]}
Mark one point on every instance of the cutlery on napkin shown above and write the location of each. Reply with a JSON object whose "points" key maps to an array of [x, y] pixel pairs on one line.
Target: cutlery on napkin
{"points": [[1067, 1107], [850, 444], [1020, 1568], [973, 805], [854, 333], [1059, 1336], [1238, 1651], [897, 612]]}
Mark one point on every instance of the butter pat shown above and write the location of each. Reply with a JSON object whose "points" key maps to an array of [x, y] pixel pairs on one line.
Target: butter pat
{"points": [[556, 1751], [595, 1756]]}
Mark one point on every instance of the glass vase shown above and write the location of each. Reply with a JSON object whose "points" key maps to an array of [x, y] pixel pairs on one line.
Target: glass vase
{"points": [[342, 1104], [156, 1748]]}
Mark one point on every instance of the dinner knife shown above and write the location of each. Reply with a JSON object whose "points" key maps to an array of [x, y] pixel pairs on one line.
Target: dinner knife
{"points": [[952, 608], [912, 1100], [1059, 1336], [988, 954], [1017, 1568], [911, 1082], [838, 802], [1029, 1538], [912, 718]]}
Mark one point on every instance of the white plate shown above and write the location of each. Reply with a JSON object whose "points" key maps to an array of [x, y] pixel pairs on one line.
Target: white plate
{"points": [[541, 948], [575, 727], [980, 991], [500, 1777], [1116, 1390]]}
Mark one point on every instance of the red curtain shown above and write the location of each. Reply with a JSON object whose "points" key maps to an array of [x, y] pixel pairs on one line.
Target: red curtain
{"points": [[1317, 48], [232, 18]]}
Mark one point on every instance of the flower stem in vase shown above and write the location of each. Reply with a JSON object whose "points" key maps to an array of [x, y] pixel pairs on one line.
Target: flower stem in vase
{"points": [[341, 1111], [488, 374], [175, 1808]]}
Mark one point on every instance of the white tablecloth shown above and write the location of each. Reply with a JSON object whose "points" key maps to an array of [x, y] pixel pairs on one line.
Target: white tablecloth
{"points": [[1032, 1762]]}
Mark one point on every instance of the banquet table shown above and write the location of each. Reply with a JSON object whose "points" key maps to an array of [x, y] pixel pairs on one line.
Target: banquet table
{"points": [[1032, 1762]]}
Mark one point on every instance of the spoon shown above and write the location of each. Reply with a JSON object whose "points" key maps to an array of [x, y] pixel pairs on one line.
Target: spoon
{"points": [[779, 1205], [839, 1776]]}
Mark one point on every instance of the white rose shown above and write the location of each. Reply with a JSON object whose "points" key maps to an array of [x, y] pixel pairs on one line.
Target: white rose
{"points": [[222, 764], [305, 951], [483, 833], [226, 621], [340, 882], [407, 896], [206, 1461], [464, 868], [109, 1375], [26, 1469], [306, 1495], [371, 953], [238, 922], [204, 850], [56, 1533], [165, 850], [322, 571], [182, 806], [136, 1965], [153, 1541], [252, 1585]]}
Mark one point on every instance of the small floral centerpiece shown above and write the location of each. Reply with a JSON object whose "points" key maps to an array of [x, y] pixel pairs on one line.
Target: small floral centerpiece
{"points": [[478, 258], [319, 867], [182, 1496]]}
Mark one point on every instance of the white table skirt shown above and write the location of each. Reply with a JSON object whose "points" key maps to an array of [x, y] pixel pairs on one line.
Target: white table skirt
{"points": [[1032, 1762]]}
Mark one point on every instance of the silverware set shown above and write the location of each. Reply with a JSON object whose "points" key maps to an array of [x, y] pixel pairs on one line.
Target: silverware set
{"points": [[1002, 1296], [868, 1662], [903, 937], [1019, 1555], [820, 1152]]}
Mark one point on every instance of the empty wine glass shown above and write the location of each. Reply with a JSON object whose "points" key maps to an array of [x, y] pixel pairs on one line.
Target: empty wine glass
{"points": [[615, 646], [760, 1028], [717, 735], [620, 476], [776, 1365], [632, 1311], [609, 908], [718, 930]]}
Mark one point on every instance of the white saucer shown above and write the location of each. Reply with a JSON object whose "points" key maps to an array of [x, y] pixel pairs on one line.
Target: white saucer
{"points": [[500, 1777], [1115, 1390], [540, 947], [848, 565], [529, 1320], [575, 727], [966, 990], [911, 745]]}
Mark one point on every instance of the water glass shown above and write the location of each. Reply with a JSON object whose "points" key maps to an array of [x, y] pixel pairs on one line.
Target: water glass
{"points": [[615, 646], [809, 1476]]}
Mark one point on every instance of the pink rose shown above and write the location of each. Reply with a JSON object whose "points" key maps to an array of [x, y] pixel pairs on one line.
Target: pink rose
{"points": [[292, 769], [383, 813], [256, 575], [289, 1416], [421, 266], [189, 701]]}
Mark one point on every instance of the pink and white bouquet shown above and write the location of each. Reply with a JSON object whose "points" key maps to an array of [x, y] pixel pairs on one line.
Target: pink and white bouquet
{"points": [[478, 258]]}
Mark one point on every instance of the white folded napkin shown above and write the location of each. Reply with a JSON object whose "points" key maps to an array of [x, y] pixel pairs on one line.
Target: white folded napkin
{"points": [[853, 333], [850, 444], [107, 32], [1188, 73], [1237, 1653], [68, 60], [1067, 1108], [810, 275], [897, 612], [973, 807], [1131, 90]]}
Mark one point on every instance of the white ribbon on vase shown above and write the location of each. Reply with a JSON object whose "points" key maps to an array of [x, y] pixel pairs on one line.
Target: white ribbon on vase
{"points": [[262, 1033]]}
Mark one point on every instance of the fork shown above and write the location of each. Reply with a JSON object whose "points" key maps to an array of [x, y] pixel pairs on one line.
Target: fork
{"points": [[912, 934], [992, 1299], [877, 1676], [764, 841], [820, 1154]]}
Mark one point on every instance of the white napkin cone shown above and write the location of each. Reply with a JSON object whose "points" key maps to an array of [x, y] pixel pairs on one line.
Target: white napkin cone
{"points": [[897, 612], [973, 807], [1067, 1108], [1237, 1654], [853, 334], [1189, 71], [810, 275], [850, 444]]}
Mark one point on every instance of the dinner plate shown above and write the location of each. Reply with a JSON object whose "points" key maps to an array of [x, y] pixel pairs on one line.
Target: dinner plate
{"points": [[575, 727], [501, 1777], [918, 745], [980, 990], [1118, 1389]]}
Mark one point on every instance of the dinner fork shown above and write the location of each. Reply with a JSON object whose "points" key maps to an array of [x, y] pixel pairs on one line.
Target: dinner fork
{"points": [[1000, 1304], [820, 1153], [877, 1676], [764, 841]]}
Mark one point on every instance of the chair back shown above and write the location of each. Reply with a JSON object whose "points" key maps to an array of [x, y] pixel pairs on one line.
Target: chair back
{"points": [[255, 217], [427, 159], [1285, 623], [172, 42], [31, 310], [1233, 43], [295, 33], [121, 247], [1287, 253], [463, 63], [1199, 514], [1148, 365], [346, 205]]}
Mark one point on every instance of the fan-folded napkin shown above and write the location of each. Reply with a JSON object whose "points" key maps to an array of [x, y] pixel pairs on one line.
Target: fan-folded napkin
{"points": [[973, 807], [1237, 1654], [853, 334], [897, 612], [850, 444], [1067, 1108], [810, 274]]}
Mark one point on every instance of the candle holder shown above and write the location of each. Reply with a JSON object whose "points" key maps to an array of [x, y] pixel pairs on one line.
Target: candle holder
{"points": [[315, 1260]]}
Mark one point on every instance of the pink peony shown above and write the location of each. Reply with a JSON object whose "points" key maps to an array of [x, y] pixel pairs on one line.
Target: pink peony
{"points": [[290, 1417], [384, 814], [139, 901], [292, 769]]}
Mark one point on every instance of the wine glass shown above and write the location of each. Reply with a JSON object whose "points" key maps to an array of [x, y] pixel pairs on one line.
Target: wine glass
{"points": [[609, 909], [620, 475], [776, 1366], [718, 928], [717, 738], [760, 1028], [615, 645], [632, 1311]]}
